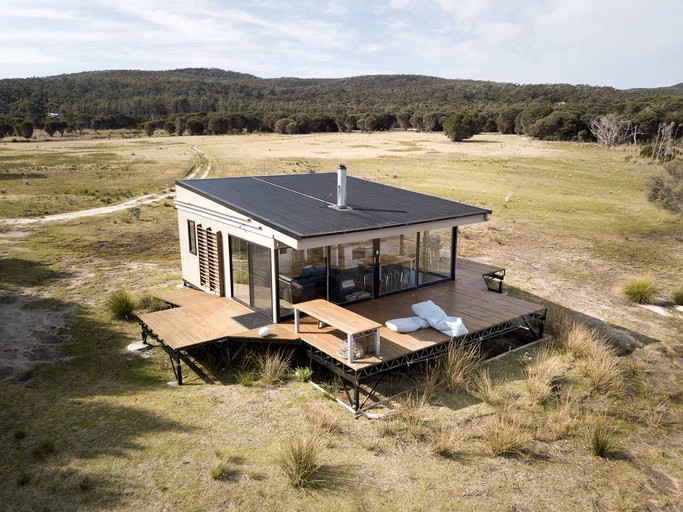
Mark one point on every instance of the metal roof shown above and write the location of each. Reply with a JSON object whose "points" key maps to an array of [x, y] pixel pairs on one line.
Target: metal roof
{"points": [[303, 205]]}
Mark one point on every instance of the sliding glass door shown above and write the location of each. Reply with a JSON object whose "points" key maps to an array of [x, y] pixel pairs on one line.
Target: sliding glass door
{"points": [[251, 275]]}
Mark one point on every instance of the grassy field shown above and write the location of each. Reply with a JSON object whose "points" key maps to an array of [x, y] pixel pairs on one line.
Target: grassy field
{"points": [[100, 430]]}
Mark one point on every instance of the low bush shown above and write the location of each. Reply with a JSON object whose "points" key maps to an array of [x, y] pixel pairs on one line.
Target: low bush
{"points": [[641, 290], [667, 188], [303, 374], [121, 305]]}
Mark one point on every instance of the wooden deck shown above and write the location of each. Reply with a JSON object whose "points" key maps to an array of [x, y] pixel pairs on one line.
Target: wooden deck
{"points": [[203, 318]]}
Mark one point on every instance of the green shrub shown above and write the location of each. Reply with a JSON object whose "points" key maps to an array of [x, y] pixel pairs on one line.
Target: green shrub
{"points": [[121, 305], [641, 290], [303, 374], [677, 296]]}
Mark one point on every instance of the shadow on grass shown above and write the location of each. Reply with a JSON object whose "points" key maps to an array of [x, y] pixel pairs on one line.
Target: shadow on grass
{"points": [[84, 407], [16, 273]]}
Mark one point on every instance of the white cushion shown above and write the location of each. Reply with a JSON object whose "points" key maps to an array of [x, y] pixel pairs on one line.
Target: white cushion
{"points": [[427, 309], [407, 324], [451, 326]]}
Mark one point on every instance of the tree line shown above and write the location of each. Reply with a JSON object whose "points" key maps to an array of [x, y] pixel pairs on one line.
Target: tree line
{"points": [[210, 101]]}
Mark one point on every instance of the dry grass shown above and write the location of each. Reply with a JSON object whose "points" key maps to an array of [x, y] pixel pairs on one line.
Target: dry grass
{"points": [[301, 459], [442, 443], [543, 374], [460, 365], [561, 421], [602, 438], [101, 407], [641, 290], [272, 366], [505, 435], [483, 387], [320, 419]]}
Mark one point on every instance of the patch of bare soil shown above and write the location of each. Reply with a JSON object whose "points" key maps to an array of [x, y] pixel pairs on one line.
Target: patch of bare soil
{"points": [[30, 333]]}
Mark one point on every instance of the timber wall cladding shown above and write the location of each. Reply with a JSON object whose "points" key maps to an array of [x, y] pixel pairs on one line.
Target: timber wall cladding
{"points": [[210, 253]]}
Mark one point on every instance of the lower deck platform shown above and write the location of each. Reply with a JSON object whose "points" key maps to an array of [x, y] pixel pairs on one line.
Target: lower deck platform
{"points": [[200, 318]]}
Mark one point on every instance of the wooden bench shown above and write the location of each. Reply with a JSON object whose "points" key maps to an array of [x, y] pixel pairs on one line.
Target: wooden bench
{"points": [[352, 324]]}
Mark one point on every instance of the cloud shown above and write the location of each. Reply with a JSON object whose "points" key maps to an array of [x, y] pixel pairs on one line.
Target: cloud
{"points": [[611, 42]]}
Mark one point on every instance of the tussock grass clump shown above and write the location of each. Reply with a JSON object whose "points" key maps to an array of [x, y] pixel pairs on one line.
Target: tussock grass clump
{"points": [[559, 320], [561, 421], [321, 420], [121, 305], [604, 372], [505, 435], [602, 439], [460, 365], [301, 459], [442, 443], [245, 376], [412, 416], [272, 366], [484, 388], [222, 468], [677, 296], [429, 379], [149, 303], [542, 374], [641, 290], [43, 449], [580, 340]]}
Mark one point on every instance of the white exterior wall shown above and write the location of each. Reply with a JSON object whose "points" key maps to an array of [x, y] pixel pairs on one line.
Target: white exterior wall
{"points": [[208, 214]]}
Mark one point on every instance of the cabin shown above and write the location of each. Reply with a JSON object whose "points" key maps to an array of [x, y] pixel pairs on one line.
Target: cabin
{"points": [[324, 260]]}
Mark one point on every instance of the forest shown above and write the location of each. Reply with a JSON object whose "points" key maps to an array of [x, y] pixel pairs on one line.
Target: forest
{"points": [[213, 101]]}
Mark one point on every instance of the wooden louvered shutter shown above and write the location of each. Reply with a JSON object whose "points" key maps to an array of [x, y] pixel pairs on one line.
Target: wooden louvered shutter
{"points": [[210, 253]]}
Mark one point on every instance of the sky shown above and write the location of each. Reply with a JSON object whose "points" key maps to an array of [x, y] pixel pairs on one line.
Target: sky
{"points": [[618, 43]]}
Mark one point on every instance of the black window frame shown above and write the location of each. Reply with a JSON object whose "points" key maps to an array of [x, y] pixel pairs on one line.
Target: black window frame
{"points": [[192, 236]]}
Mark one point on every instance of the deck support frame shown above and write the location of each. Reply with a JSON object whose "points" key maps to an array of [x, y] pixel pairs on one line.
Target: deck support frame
{"points": [[356, 377]]}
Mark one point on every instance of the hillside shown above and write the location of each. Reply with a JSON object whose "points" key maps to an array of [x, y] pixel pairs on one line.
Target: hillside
{"points": [[132, 97]]}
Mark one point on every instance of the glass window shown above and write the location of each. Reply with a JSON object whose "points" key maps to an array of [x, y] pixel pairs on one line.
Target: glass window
{"points": [[302, 277], [351, 271], [397, 263], [435, 255], [192, 236], [239, 264], [260, 280]]}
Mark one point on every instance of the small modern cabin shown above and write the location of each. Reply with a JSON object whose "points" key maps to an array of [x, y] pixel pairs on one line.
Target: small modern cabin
{"points": [[270, 242]]}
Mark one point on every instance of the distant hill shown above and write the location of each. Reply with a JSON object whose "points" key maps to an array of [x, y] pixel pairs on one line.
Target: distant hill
{"points": [[123, 98]]}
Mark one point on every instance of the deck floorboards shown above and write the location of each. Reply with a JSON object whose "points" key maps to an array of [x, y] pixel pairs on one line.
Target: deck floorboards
{"points": [[202, 317]]}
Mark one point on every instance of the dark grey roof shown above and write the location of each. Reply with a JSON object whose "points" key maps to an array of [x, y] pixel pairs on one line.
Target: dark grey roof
{"points": [[298, 205]]}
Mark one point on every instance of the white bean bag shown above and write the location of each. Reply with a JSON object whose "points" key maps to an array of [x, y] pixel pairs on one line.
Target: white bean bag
{"points": [[451, 326]]}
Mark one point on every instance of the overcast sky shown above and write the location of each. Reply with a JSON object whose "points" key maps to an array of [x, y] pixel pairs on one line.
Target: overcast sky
{"points": [[620, 43]]}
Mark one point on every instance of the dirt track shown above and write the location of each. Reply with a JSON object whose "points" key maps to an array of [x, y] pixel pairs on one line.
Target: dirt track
{"points": [[202, 164]]}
